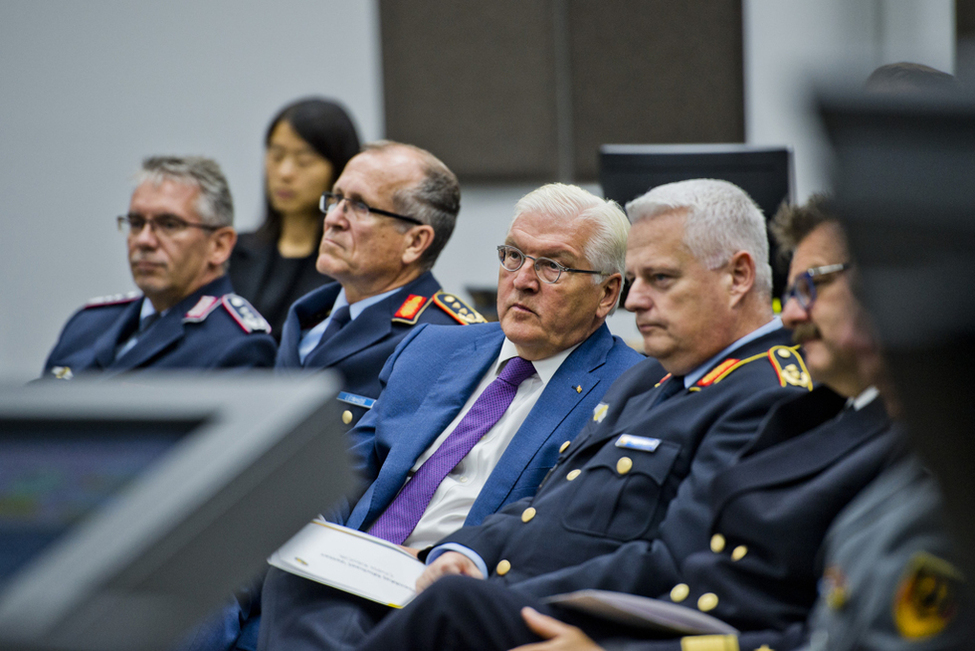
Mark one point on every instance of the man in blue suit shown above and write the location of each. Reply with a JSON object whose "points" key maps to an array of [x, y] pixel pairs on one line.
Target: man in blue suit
{"points": [[388, 217], [180, 234], [560, 277]]}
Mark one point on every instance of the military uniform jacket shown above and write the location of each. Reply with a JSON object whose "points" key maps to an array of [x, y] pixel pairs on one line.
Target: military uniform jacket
{"points": [[769, 513], [891, 582], [593, 521], [360, 349], [211, 328]]}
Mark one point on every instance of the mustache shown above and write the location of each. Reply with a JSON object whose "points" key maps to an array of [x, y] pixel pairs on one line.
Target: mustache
{"points": [[804, 332]]}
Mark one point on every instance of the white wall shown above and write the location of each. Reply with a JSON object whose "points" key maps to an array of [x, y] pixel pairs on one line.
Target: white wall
{"points": [[90, 88], [87, 89], [792, 46]]}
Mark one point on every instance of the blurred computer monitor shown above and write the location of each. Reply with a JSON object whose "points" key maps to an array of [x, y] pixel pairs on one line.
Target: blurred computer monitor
{"points": [[129, 508], [765, 173]]}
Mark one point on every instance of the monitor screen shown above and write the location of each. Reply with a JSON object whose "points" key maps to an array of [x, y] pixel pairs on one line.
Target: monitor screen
{"points": [[131, 507], [765, 173]]}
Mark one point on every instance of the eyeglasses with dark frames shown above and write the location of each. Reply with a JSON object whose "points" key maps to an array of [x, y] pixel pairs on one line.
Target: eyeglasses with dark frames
{"points": [[166, 224], [330, 201], [804, 287], [547, 270]]}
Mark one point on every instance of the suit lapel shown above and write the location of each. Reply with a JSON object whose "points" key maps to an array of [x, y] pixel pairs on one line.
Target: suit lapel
{"points": [[559, 398], [165, 332], [123, 328], [458, 380]]}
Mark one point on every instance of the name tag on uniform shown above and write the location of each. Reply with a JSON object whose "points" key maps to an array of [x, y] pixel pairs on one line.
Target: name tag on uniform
{"points": [[360, 401], [637, 442]]}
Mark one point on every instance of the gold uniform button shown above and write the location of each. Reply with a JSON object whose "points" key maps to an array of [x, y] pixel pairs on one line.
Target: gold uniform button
{"points": [[708, 601], [717, 543], [564, 447], [503, 568], [679, 593], [573, 474], [346, 416], [783, 352], [527, 514], [739, 552], [623, 465]]}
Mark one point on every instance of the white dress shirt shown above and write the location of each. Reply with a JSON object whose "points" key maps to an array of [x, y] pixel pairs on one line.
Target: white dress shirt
{"points": [[455, 495]]}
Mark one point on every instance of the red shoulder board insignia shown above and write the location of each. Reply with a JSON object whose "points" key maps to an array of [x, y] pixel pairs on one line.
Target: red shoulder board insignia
{"points": [[463, 313], [410, 309], [718, 372], [248, 318], [662, 380], [202, 309], [113, 299]]}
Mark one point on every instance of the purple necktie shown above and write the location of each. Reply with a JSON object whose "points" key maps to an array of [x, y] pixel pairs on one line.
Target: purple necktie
{"points": [[400, 518]]}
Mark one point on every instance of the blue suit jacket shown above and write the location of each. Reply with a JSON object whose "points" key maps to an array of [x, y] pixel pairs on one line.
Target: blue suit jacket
{"points": [[228, 335], [430, 377], [360, 349]]}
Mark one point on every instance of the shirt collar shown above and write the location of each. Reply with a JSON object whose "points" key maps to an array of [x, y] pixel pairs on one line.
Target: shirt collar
{"points": [[355, 309], [148, 309], [865, 398], [691, 378], [544, 368]]}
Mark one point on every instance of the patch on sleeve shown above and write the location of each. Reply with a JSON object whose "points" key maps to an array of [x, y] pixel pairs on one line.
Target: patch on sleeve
{"points": [[599, 413], [202, 309], [927, 597], [113, 299], [249, 319], [411, 309], [458, 309], [62, 372], [790, 367]]}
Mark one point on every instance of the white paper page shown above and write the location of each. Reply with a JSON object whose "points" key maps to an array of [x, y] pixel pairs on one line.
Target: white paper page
{"points": [[352, 561]]}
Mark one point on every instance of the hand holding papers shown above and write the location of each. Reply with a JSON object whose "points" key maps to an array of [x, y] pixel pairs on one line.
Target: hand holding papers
{"points": [[352, 561]]}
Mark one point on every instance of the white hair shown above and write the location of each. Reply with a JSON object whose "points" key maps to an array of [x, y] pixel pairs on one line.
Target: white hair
{"points": [[606, 249], [721, 220]]}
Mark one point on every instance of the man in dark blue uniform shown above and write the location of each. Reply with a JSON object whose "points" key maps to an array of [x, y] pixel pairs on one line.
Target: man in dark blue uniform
{"points": [[180, 234], [701, 288], [388, 217]]}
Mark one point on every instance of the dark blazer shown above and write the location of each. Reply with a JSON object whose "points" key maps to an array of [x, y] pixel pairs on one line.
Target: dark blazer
{"points": [[359, 350], [598, 513], [431, 376], [770, 510], [228, 333], [270, 282]]}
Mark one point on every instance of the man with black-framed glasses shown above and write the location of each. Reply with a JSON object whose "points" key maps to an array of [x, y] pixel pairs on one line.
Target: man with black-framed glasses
{"points": [[387, 218], [179, 232]]}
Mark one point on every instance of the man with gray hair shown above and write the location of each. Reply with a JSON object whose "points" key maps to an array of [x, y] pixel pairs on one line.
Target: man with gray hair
{"points": [[180, 233], [387, 218], [549, 360], [697, 259]]}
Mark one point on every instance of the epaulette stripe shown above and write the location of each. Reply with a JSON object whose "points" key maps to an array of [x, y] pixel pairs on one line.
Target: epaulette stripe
{"points": [[738, 365], [112, 299], [790, 374], [662, 380], [717, 372], [458, 309], [241, 311]]}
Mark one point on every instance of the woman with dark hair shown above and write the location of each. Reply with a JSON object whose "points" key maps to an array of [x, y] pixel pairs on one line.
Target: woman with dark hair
{"points": [[307, 146]]}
